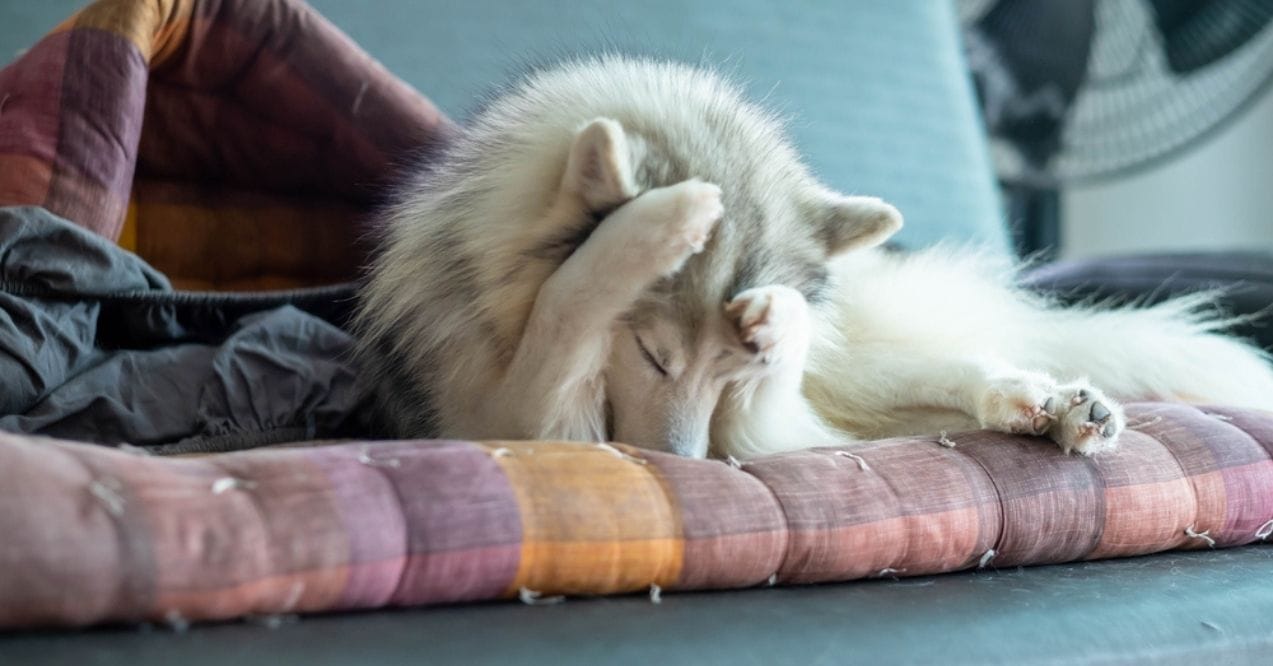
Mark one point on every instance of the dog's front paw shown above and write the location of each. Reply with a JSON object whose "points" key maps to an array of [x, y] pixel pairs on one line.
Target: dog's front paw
{"points": [[1079, 418], [772, 322], [679, 221]]}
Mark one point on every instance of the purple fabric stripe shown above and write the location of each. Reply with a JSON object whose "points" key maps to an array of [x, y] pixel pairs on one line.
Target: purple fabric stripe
{"points": [[427, 522], [1256, 424], [821, 488], [278, 517], [103, 97], [463, 523], [727, 544], [1248, 487], [1052, 512], [1201, 445], [1236, 503], [847, 521], [381, 108], [368, 505], [1248, 502]]}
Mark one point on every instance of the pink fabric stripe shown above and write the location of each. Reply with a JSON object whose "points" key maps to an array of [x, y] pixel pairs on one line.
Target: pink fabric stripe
{"points": [[455, 537], [30, 99]]}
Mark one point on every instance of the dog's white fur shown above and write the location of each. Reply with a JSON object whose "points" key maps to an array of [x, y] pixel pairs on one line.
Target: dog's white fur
{"points": [[626, 249]]}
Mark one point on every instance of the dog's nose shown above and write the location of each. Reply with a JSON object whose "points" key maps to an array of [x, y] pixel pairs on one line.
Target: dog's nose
{"points": [[689, 446]]}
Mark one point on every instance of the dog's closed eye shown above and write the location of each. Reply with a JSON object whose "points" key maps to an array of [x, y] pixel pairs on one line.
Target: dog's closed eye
{"points": [[650, 357]]}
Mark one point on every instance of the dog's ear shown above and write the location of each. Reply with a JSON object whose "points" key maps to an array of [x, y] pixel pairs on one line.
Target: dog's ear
{"points": [[599, 168], [852, 222]]}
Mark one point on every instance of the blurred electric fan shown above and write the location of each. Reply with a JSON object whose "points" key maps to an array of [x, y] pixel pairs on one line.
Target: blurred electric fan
{"points": [[1079, 90], [1076, 90]]}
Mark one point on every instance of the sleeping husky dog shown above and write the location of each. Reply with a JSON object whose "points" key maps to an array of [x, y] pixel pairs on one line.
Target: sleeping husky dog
{"points": [[626, 250]]}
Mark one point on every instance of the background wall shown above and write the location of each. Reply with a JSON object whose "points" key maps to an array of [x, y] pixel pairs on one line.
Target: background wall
{"points": [[1218, 195], [876, 90]]}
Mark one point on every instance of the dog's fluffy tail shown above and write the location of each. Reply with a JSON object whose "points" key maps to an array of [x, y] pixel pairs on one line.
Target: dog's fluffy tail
{"points": [[1176, 350]]}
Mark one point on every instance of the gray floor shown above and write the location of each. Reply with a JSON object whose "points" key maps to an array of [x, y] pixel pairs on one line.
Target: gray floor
{"points": [[1203, 607]]}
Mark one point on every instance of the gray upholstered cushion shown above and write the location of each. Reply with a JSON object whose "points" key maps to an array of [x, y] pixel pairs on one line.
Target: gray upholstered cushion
{"points": [[877, 90]]}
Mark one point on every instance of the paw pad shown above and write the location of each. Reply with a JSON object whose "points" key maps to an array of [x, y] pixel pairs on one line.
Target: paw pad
{"points": [[1078, 419], [1099, 414]]}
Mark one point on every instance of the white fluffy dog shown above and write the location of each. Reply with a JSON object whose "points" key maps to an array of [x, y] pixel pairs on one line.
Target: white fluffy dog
{"points": [[626, 250]]}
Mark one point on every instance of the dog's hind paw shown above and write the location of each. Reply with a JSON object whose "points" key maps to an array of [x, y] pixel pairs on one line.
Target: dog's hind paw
{"points": [[1087, 422], [1023, 405], [1079, 418]]}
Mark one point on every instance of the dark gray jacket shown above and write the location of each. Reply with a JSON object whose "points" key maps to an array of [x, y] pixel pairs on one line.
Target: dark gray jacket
{"points": [[95, 345]]}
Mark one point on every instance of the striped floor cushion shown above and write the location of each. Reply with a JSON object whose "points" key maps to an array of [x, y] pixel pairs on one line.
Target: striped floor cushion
{"points": [[90, 534]]}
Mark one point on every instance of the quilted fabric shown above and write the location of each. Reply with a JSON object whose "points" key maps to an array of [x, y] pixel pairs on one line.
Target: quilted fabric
{"points": [[266, 132], [97, 535]]}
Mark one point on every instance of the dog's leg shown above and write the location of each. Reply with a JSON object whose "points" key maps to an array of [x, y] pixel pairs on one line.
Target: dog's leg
{"points": [[549, 388], [1077, 416], [769, 414]]}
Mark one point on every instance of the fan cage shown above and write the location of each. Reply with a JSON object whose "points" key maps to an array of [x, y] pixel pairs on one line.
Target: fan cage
{"points": [[1133, 112]]}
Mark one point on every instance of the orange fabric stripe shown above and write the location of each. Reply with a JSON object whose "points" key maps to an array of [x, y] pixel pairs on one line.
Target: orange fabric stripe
{"points": [[83, 201], [600, 567], [262, 243], [128, 234], [157, 27], [172, 33], [592, 521]]}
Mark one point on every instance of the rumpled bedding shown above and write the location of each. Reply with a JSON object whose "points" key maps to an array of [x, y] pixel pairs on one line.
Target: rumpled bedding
{"points": [[237, 145], [97, 347], [183, 185]]}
